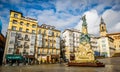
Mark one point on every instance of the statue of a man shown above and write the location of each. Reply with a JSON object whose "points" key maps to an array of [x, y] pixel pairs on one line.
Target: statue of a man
{"points": [[84, 20]]}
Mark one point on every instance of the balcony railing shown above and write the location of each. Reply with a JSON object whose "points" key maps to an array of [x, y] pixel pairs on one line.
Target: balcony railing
{"points": [[27, 39], [20, 38], [19, 46], [25, 53], [26, 46]]}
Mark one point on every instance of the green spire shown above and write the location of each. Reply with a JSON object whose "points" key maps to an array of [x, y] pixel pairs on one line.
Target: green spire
{"points": [[84, 21]]}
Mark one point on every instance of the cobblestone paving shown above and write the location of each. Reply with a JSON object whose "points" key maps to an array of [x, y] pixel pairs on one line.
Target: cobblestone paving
{"points": [[112, 65]]}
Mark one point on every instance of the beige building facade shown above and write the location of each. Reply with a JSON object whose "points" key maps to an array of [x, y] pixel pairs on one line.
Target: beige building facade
{"points": [[48, 44]]}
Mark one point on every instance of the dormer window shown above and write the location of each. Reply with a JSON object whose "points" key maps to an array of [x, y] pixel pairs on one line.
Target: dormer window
{"points": [[16, 15]]}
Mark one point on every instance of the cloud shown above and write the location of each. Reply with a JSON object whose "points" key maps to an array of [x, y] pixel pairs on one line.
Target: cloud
{"points": [[112, 20], [93, 20], [4, 20]]}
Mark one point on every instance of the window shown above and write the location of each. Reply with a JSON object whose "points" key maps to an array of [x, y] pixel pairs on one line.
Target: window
{"points": [[103, 41], [45, 32], [27, 24], [20, 29], [18, 43], [14, 21], [21, 23], [39, 31], [19, 35], [27, 30], [33, 31], [49, 32], [48, 43], [11, 42], [16, 15], [33, 37], [25, 43], [52, 45], [10, 50], [33, 26], [26, 36], [103, 45], [40, 43], [31, 51], [52, 33], [13, 34], [43, 51], [13, 27], [40, 36]]}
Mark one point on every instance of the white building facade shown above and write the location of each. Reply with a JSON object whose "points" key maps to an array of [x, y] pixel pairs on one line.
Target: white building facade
{"points": [[106, 46], [95, 45], [71, 37]]}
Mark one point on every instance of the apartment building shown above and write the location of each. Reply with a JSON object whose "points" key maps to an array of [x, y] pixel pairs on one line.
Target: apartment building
{"points": [[94, 41], [48, 44], [21, 35], [106, 45], [71, 38], [116, 37]]}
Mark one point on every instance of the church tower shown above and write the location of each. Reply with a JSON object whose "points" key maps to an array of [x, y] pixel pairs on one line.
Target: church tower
{"points": [[103, 30]]}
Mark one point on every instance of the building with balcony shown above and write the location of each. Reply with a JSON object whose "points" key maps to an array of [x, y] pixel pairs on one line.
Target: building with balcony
{"points": [[72, 40], [94, 41], [48, 44], [106, 45], [21, 35], [116, 37], [107, 42]]}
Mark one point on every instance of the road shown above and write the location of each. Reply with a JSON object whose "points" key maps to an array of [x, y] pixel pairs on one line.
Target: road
{"points": [[112, 65]]}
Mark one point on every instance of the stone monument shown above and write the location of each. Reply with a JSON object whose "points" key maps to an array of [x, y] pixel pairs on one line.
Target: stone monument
{"points": [[84, 52], [84, 55]]}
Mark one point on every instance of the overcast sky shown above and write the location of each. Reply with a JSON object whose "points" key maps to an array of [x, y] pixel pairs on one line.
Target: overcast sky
{"points": [[64, 14]]}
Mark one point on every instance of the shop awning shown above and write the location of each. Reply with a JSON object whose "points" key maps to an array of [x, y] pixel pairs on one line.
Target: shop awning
{"points": [[14, 56]]}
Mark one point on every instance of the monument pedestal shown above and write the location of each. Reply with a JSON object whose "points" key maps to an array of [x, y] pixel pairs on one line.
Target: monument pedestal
{"points": [[86, 64]]}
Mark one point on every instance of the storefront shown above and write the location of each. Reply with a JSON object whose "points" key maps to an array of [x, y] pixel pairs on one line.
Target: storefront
{"points": [[29, 59], [14, 58], [55, 58]]}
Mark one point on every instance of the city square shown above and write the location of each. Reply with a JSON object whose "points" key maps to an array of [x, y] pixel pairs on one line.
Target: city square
{"points": [[59, 36], [111, 65]]}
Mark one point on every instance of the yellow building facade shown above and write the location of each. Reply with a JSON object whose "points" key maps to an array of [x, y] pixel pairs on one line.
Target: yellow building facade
{"points": [[26, 39], [21, 35], [48, 44], [116, 37]]}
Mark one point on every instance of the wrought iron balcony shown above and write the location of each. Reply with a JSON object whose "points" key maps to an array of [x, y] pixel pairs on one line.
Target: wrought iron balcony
{"points": [[19, 46], [26, 46], [20, 38], [27, 39]]}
